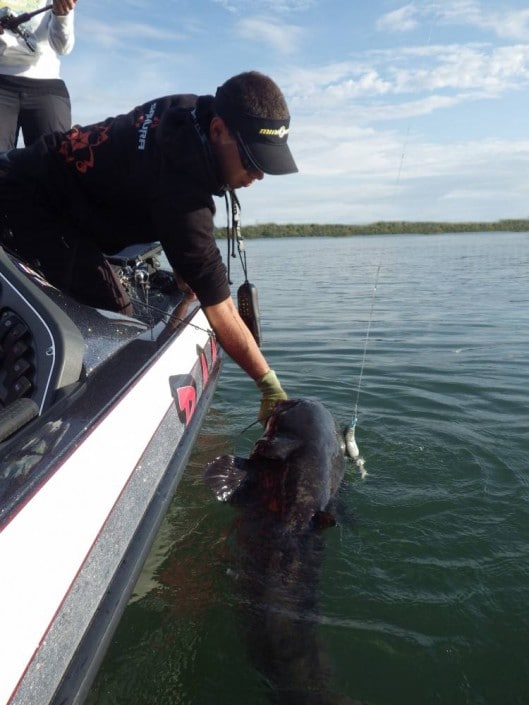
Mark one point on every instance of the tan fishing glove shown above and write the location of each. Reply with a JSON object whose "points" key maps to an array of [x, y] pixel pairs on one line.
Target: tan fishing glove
{"points": [[271, 391]]}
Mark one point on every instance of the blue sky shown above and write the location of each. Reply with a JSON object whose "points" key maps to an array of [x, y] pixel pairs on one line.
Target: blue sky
{"points": [[400, 110]]}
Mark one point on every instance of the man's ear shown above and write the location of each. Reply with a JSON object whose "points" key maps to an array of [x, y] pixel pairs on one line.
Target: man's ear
{"points": [[218, 130]]}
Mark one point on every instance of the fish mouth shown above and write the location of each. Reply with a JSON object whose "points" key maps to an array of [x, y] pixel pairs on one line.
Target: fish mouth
{"points": [[279, 409], [260, 447]]}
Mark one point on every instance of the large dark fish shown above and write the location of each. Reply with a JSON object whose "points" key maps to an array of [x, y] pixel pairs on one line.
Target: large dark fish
{"points": [[293, 471], [284, 491]]}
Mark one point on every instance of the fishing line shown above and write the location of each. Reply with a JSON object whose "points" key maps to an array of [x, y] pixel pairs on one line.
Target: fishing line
{"points": [[366, 341], [240, 435], [350, 442], [352, 447], [349, 434], [171, 316]]}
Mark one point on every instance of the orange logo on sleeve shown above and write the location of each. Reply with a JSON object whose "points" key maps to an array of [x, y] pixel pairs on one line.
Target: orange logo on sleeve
{"points": [[79, 144]]}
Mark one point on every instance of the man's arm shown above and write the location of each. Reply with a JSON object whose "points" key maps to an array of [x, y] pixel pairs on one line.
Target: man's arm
{"points": [[235, 338], [237, 341]]}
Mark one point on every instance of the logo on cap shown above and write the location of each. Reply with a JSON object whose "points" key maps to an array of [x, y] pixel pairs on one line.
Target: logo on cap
{"points": [[280, 132]]}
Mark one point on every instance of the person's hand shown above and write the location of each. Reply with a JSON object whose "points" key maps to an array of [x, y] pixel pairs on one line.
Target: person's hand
{"points": [[63, 7], [272, 392]]}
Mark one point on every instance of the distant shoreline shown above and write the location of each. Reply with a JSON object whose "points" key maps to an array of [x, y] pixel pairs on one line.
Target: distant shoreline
{"points": [[275, 230]]}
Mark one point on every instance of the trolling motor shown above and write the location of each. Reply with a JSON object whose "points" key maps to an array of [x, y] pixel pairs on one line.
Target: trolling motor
{"points": [[247, 299], [12, 22]]}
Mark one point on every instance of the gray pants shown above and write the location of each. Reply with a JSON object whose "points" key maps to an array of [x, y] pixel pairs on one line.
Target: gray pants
{"points": [[34, 106]]}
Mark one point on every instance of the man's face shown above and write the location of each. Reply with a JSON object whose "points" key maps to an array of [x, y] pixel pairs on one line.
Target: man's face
{"points": [[234, 173]]}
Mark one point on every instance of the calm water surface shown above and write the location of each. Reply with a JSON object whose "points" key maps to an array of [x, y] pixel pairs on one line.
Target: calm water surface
{"points": [[424, 588]]}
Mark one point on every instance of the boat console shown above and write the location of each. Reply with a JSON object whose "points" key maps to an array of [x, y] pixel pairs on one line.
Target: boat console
{"points": [[41, 349]]}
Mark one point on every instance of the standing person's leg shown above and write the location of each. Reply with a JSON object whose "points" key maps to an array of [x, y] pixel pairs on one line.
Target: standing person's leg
{"points": [[9, 111], [45, 107]]}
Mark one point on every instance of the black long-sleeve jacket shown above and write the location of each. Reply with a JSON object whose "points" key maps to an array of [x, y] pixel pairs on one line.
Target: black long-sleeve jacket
{"points": [[144, 176]]}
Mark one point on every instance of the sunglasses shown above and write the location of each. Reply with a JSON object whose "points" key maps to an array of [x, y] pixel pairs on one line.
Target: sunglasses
{"points": [[247, 162]]}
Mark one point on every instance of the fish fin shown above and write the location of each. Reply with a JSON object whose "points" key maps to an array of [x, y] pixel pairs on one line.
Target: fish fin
{"points": [[322, 520], [225, 475]]}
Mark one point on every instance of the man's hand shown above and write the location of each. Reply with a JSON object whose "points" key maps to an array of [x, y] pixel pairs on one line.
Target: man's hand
{"points": [[272, 392]]}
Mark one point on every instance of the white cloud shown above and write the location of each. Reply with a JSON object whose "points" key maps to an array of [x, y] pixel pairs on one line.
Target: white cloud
{"points": [[273, 7], [505, 23], [402, 20], [508, 25], [372, 176], [226, 5], [494, 69], [282, 37], [416, 80], [105, 34]]}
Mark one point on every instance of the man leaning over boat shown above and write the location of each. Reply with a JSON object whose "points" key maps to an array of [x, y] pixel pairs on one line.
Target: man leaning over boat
{"points": [[150, 175]]}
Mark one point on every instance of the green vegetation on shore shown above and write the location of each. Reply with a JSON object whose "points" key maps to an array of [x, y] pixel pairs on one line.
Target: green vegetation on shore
{"points": [[380, 228]]}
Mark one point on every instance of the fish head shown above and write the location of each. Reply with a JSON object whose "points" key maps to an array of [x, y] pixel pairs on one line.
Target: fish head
{"points": [[302, 457], [292, 425]]}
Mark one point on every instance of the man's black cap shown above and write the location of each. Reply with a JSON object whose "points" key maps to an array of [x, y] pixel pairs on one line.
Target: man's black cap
{"points": [[264, 140]]}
